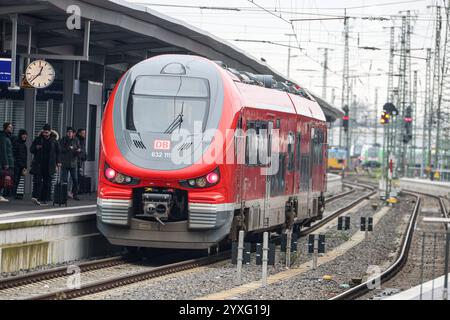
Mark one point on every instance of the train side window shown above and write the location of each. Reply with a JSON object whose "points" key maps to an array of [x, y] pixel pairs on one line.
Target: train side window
{"points": [[257, 142], [291, 141], [298, 149], [304, 171], [251, 145], [263, 143]]}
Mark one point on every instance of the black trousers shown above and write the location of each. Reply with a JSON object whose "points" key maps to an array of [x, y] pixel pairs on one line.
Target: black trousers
{"points": [[17, 176], [42, 186], [73, 175]]}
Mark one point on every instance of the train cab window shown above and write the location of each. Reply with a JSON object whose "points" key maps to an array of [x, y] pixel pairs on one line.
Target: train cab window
{"points": [[174, 103], [290, 147]]}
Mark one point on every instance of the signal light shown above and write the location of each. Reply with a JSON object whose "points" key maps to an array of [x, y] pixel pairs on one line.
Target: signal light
{"points": [[390, 109], [345, 118], [384, 118]]}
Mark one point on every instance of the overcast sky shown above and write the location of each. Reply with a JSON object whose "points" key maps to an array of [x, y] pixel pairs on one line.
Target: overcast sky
{"points": [[253, 23]]}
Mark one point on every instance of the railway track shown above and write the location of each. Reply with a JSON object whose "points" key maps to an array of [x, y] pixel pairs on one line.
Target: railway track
{"points": [[152, 272], [402, 258]]}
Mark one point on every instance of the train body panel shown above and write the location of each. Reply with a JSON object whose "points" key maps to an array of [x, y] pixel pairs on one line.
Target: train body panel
{"points": [[337, 158], [221, 179], [371, 156]]}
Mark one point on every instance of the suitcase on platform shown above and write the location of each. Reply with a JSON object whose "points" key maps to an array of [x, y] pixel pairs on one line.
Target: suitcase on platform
{"points": [[85, 185], [60, 192]]}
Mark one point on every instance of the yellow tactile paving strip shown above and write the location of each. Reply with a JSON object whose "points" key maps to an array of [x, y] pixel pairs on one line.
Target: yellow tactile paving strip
{"points": [[357, 238]]}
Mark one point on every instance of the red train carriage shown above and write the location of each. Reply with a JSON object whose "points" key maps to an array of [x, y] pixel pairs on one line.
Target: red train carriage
{"points": [[186, 153]]}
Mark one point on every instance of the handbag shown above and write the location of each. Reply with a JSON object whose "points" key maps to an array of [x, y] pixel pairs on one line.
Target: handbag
{"points": [[6, 180]]}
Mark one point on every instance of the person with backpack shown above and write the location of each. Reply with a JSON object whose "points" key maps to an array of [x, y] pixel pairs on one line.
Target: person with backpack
{"points": [[46, 157], [20, 153], [82, 157], [70, 150]]}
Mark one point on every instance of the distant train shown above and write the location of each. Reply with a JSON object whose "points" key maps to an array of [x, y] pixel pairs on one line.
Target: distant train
{"points": [[337, 158], [371, 156], [184, 149]]}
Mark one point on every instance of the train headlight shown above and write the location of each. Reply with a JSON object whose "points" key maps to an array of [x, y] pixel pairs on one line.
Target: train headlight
{"points": [[205, 181], [117, 177], [201, 182], [110, 173], [212, 178]]}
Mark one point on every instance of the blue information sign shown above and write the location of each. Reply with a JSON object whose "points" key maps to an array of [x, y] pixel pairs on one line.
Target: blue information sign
{"points": [[5, 69]]}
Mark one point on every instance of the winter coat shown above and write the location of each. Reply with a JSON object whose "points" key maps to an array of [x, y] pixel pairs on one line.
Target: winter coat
{"points": [[6, 151], [20, 152], [69, 154], [53, 157], [82, 156]]}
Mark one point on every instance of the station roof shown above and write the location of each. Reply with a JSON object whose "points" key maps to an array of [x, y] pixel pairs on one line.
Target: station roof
{"points": [[122, 34]]}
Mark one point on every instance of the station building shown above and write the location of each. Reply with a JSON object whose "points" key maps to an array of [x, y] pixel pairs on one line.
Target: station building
{"points": [[90, 44]]}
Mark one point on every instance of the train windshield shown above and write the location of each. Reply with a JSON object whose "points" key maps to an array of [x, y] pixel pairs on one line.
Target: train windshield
{"points": [[167, 104], [372, 152], [337, 153]]}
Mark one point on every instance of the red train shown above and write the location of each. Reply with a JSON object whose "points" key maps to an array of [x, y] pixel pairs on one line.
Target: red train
{"points": [[186, 145]]}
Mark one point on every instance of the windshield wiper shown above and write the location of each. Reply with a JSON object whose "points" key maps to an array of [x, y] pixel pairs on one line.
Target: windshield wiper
{"points": [[176, 122]]}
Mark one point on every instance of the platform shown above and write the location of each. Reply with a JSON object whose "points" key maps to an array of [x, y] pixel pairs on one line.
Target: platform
{"points": [[426, 186], [431, 290]]}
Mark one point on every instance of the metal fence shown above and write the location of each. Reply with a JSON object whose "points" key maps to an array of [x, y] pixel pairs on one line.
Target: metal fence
{"points": [[434, 260]]}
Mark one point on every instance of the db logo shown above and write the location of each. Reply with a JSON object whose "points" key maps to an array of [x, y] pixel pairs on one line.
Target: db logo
{"points": [[161, 145]]}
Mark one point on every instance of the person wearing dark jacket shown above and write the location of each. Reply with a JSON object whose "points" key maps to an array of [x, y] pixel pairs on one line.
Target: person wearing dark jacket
{"points": [[46, 151], [20, 153], [70, 150], [82, 157], [6, 155]]}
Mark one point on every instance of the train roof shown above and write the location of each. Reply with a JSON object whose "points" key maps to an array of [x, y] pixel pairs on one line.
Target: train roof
{"points": [[276, 100]]}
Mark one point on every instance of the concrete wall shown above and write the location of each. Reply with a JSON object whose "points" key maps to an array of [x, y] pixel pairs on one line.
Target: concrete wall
{"points": [[334, 184], [31, 242]]}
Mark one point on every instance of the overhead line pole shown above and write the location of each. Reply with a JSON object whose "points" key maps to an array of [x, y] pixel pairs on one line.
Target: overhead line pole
{"points": [[436, 82], [426, 144], [346, 87]]}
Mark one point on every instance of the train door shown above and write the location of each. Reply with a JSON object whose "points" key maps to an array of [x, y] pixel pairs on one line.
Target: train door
{"points": [[268, 177], [310, 168]]}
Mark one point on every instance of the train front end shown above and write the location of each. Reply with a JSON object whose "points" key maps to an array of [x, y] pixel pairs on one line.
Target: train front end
{"points": [[156, 187]]}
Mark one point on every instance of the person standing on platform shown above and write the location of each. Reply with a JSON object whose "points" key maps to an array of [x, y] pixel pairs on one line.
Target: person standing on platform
{"points": [[70, 151], [20, 158], [46, 151], [6, 158], [82, 157]]}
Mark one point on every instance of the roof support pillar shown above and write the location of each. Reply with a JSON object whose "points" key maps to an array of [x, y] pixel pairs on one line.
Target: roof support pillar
{"points": [[30, 104], [13, 85], [68, 91]]}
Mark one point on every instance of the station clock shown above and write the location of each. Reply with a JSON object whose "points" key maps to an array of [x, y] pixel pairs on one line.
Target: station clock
{"points": [[40, 74]]}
